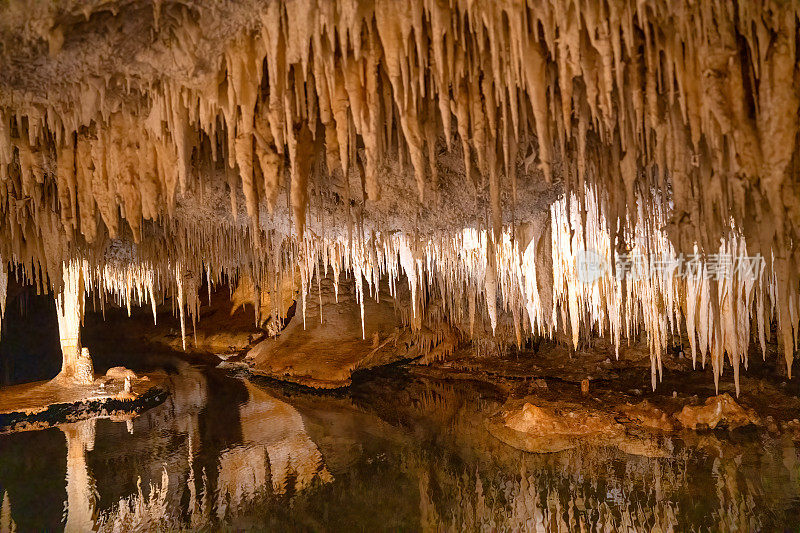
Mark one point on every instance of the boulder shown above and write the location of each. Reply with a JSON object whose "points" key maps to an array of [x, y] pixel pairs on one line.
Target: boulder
{"points": [[719, 410], [538, 426], [324, 345], [647, 415]]}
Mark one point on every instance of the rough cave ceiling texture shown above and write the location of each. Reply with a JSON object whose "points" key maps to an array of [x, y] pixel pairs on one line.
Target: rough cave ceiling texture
{"points": [[471, 146]]}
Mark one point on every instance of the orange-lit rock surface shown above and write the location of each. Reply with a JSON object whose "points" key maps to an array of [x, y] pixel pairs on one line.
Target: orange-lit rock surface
{"points": [[323, 345], [38, 405], [716, 411], [539, 426]]}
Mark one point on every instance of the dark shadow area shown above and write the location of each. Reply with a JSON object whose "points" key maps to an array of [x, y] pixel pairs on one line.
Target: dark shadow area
{"points": [[29, 346], [36, 484]]}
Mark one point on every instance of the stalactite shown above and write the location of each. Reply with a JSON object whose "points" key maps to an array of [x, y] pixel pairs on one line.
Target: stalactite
{"points": [[180, 302]]}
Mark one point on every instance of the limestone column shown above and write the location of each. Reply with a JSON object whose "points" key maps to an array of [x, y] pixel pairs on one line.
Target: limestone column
{"points": [[3, 287], [76, 363]]}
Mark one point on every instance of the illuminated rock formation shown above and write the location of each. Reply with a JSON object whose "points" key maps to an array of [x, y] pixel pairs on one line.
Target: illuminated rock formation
{"points": [[717, 410], [423, 141], [553, 427], [334, 337], [76, 363]]}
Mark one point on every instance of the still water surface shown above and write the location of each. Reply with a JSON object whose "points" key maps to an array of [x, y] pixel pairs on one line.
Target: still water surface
{"points": [[394, 453]]}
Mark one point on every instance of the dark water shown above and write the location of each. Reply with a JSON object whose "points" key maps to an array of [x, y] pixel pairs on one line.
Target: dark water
{"points": [[395, 453]]}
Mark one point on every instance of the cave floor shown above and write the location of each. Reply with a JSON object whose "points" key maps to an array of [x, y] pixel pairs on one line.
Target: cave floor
{"points": [[42, 404], [554, 375]]}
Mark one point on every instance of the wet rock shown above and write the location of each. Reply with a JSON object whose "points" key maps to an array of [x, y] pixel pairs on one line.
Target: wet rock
{"points": [[537, 426], [719, 410], [33, 406], [546, 428], [771, 425], [324, 344], [647, 415], [539, 383], [120, 373], [792, 428], [234, 366]]}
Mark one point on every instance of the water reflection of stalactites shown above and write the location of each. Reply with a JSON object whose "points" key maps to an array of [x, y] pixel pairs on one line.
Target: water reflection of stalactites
{"points": [[178, 416], [276, 449], [421, 455], [138, 512], [571, 492], [165, 437], [81, 495], [198, 503], [273, 455], [7, 524], [527, 503], [188, 396], [706, 480]]}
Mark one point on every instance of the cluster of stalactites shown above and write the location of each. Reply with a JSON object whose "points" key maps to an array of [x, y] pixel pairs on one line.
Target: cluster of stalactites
{"points": [[721, 301], [625, 94], [535, 275], [530, 282]]}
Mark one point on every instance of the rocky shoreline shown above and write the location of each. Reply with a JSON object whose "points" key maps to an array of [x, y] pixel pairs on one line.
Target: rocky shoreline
{"points": [[41, 405]]}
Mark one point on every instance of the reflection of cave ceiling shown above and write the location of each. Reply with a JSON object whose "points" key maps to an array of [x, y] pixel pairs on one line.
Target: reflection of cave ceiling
{"points": [[368, 135]]}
